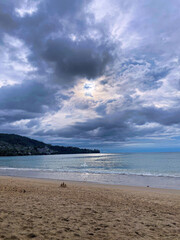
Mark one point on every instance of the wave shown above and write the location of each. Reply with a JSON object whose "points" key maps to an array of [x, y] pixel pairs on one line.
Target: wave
{"points": [[85, 171]]}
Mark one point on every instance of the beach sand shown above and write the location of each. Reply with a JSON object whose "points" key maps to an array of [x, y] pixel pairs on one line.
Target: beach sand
{"points": [[42, 209]]}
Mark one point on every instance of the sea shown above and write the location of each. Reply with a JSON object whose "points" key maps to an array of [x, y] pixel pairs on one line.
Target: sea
{"points": [[156, 170]]}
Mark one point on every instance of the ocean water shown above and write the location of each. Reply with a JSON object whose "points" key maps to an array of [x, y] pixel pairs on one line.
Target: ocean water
{"points": [[136, 169]]}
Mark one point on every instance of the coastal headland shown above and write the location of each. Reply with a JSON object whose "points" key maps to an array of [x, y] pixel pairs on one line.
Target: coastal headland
{"points": [[16, 145]]}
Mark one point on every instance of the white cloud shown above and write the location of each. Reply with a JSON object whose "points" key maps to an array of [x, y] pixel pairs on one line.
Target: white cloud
{"points": [[14, 67], [28, 7]]}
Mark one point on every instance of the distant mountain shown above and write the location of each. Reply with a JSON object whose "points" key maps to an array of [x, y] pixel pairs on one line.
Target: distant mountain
{"points": [[16, 145]]}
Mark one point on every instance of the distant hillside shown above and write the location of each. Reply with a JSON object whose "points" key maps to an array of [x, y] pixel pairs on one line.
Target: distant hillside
{"points": [[16, 145]]}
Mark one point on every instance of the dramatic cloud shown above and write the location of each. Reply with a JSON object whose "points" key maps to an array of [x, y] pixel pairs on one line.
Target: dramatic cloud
{"points": [[91, 73], [30, 97], [77, 59]]}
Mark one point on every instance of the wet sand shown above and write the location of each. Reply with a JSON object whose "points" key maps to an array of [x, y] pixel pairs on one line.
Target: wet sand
{"points": [[42, 209]]}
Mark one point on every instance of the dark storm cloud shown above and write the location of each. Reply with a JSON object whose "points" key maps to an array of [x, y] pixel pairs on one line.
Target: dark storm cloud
{"points": [[7, 117], [7, 15], [101, 109], [121, 126], [6, 21], [159, 115], [72, 59], [29, 96], [49, 33], [63, 8]]}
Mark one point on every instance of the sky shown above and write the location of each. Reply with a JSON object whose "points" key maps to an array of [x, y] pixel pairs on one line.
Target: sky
{"points": [[98, 74]]}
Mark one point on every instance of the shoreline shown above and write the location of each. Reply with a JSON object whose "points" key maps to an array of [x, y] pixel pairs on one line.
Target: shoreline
{"points": [[93, 184], [42, 209], [163, 182]]}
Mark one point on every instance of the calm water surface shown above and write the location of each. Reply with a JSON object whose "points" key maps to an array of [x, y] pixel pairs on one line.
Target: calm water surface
{"points": [[157, 169]]}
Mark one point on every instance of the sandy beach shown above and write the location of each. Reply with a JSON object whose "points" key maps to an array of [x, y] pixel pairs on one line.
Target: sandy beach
{"points": [[42, 209]]}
